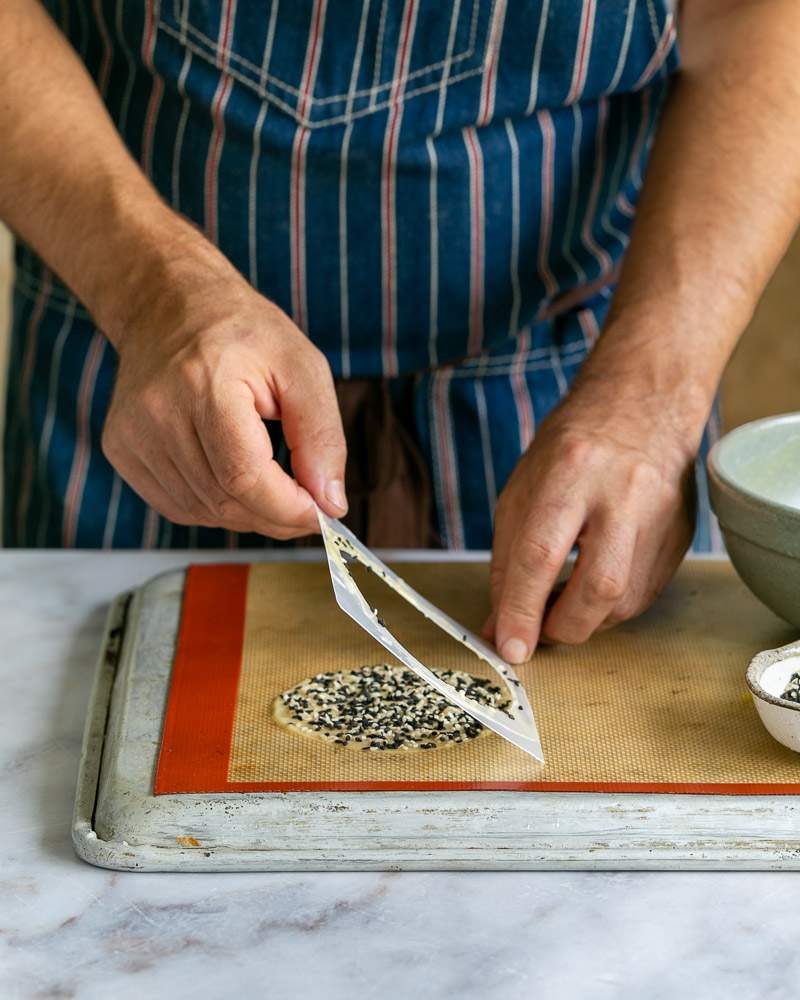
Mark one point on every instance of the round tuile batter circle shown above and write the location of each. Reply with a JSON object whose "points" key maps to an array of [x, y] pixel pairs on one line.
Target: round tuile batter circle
{"points": [[384, 708]]}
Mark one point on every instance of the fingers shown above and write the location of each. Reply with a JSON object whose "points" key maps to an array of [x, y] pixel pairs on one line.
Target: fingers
{"points": [[219, 475], [312, 427], [145, 484], [599, 582], [239, 453], [188, 456], [654, 562], [225, 510], [527, 571], [504, 531]]}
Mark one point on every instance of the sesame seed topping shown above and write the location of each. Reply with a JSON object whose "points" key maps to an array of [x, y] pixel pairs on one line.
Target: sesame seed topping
{"points": [[384, 707], [792, 692]]}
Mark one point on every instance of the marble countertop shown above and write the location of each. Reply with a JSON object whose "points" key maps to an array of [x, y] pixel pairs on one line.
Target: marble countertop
{"points": [[70, 930]]}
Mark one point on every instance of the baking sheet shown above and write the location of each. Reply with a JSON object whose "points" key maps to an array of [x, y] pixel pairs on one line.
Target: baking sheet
{"points": [[119, 823]]}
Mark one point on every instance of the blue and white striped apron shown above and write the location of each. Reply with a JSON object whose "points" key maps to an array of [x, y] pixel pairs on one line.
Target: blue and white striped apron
{"points": [[439, 192]]}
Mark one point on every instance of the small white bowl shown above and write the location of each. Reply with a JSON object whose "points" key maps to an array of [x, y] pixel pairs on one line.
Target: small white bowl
{"points": [[767, 677]]}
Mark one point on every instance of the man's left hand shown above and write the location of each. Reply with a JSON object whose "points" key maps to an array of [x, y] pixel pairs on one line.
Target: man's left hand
{"points": [[611, 475]]}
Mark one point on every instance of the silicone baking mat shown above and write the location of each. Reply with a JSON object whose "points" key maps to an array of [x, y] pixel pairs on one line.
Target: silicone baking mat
{"points": [[655, 705]]}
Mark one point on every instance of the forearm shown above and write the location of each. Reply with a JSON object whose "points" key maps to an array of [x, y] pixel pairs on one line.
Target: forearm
{"points": [[69, 187], [719, 206]]}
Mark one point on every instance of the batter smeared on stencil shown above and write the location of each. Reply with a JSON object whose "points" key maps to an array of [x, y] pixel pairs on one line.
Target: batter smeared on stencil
{"points": [[384, 707]]}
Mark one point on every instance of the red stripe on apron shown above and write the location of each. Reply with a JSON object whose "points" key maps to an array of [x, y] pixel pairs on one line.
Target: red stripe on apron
{"points": [[488, 89], [657, 59], [546, 219], [298, 182], [154, 103], [592, 246], [25, 378], [80, 458], [390, 362], [581, 65], [221, 96], [526, 423], [476, 241]]}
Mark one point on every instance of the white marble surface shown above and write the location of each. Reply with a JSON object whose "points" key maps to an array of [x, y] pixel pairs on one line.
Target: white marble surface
{"points": [[69, 930]]}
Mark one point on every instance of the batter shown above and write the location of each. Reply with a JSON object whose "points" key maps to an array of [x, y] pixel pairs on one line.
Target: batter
{"points": [[384, 707]]}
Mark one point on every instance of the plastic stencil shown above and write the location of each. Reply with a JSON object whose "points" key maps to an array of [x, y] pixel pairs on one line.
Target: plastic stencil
{"points": [[516, 723]]}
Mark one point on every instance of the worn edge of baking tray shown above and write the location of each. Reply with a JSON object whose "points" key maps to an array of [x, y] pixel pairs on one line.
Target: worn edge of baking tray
{"points": [[412, 830]]}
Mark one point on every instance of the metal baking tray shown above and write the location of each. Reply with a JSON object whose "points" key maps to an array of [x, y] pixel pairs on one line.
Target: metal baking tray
{"points": [[118, 822]]}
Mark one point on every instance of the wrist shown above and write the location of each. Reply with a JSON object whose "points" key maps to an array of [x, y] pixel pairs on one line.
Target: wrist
{"points": [[639, 398], [148, 267], [639, 363]]}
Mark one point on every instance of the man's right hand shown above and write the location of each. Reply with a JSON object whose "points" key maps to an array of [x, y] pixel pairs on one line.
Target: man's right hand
{"points": [[199, 371]]}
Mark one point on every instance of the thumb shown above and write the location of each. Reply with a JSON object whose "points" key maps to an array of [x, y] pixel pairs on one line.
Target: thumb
{"points": [[312, 427]]}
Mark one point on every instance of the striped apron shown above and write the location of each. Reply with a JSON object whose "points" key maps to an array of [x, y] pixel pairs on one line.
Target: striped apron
{"points": [[439, 194]]}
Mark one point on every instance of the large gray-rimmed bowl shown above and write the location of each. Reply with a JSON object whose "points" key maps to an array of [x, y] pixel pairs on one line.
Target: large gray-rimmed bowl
{"points": [[754, 479]]}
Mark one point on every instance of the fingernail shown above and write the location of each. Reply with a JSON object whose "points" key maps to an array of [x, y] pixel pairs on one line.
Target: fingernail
{"points": [[514, 651], [335, 494]]}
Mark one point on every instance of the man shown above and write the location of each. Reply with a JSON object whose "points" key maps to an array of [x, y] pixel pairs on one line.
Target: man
{"points": [[429, 202]]}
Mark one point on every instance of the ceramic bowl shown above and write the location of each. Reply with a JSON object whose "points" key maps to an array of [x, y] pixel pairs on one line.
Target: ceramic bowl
{"points": [[767, 677], [754, 481]]}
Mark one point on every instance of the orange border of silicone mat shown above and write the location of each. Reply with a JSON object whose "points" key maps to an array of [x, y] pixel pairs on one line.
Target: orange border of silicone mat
{"points": [[198, 725], [196, 740]]}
